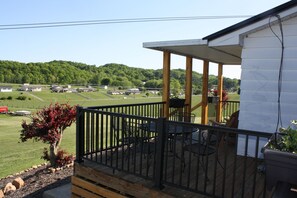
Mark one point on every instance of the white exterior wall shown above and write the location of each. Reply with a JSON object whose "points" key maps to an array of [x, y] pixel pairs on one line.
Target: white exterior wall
{"points": [[259, 80], [261, 56]]}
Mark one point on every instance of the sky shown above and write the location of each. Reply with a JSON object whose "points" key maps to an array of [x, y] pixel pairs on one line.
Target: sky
{"points": [[116, 42]]}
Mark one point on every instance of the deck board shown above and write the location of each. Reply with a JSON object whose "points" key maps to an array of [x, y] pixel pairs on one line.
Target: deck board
{"points": [[219, 183]]}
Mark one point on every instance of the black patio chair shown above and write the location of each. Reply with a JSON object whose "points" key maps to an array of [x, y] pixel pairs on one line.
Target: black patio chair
{"points": [[190, 118], [124, 131], [205, 145]]}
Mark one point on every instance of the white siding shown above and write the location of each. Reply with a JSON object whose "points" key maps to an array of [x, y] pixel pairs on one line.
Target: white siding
{"points": [[259, 81], [233, 37]]}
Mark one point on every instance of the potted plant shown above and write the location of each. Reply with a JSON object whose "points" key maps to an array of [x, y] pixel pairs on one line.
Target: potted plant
{"points": [[280, 156], [176, 102]]}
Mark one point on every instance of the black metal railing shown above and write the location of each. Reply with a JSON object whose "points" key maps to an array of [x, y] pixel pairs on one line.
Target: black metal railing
{"points": [[215, 161], [229, 107], [153, 110]]}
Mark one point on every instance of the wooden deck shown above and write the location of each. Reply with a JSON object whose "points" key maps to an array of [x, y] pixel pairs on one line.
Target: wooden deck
{"points": [[182, 176]]}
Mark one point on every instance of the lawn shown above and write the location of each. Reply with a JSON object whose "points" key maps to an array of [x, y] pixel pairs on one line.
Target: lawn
{"points": [[37, 100]]}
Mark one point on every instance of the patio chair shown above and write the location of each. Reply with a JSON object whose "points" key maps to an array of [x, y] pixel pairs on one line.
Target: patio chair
{"points": [[207, 144], [124, 131], [145, 147], [232, 122], [181, 137]]}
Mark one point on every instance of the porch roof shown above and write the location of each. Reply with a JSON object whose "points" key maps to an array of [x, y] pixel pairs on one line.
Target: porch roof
{"points": [[199, 48], [224, 46]]}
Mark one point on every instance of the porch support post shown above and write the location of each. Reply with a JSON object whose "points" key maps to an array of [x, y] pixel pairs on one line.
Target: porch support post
{"points": [[220, 93], [166, 83], [204, 109], [80, 123], [188, 93]]}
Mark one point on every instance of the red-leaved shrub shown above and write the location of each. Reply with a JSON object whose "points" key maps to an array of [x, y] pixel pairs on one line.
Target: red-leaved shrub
{"points": [[48, 125]]}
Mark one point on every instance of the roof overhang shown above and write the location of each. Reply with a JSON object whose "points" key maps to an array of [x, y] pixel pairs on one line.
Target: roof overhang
{"points": [[198, 48]]}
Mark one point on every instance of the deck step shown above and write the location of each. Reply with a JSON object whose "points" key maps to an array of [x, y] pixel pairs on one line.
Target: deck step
{"points": [[89, 182]]}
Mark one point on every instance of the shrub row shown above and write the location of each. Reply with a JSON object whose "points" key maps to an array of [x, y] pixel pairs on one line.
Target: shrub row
{"points": [[18, 98]]}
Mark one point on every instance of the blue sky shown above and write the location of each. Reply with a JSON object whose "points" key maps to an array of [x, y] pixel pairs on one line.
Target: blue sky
{"points": [[115, 43]]}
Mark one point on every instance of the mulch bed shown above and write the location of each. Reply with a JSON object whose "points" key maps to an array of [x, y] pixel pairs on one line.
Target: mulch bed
{"points": [[39, 180]]}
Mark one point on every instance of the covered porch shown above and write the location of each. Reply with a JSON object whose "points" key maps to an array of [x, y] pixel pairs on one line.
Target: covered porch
{"points": [[196, 49]]}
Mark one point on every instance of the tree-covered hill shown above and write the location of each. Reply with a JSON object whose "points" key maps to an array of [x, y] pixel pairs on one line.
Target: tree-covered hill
{"points": [[66, 72]]}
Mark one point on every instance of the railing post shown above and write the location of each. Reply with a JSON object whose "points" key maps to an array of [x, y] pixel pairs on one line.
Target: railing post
{"points": [[79, 134], [161, 140]]}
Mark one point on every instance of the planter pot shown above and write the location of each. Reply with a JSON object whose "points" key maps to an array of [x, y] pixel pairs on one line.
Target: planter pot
{"points": [[213, 99], [280, 166], [176, 103]]}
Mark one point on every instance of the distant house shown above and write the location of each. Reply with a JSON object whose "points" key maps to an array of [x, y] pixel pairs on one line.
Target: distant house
{"points": [[58, 89], [35, 88], [86, 89], [115, 92], [132, 91], [24, 88], [27, 87], [5, 89]]}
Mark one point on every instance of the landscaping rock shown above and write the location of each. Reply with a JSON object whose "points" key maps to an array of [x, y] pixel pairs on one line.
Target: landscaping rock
{"points": [[1, 194], [18, 182], [8, 188], [52, 170]]}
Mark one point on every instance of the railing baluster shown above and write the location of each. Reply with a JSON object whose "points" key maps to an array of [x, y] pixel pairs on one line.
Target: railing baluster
{"points": [[245, 164], [97, 135], [92, 135], [88, 133], [256, 166], [161, 139]]}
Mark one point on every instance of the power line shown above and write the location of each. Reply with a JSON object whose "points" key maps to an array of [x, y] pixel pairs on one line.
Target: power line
{"points": [[112, 21]]}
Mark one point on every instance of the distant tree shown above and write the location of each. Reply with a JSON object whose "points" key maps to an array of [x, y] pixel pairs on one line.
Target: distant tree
{"points": [[48, 126], [137, 83], [95, 80], [153, 84], [66, 72], [106, 81], [175, 87]]}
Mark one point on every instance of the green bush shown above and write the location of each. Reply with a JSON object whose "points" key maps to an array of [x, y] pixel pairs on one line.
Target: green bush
{"points": [[9, 98], [21, 98]]}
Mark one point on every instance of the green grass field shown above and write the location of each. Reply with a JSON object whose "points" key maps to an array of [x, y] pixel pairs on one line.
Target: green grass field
{"points": [[15, 157], [37, 100]]}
